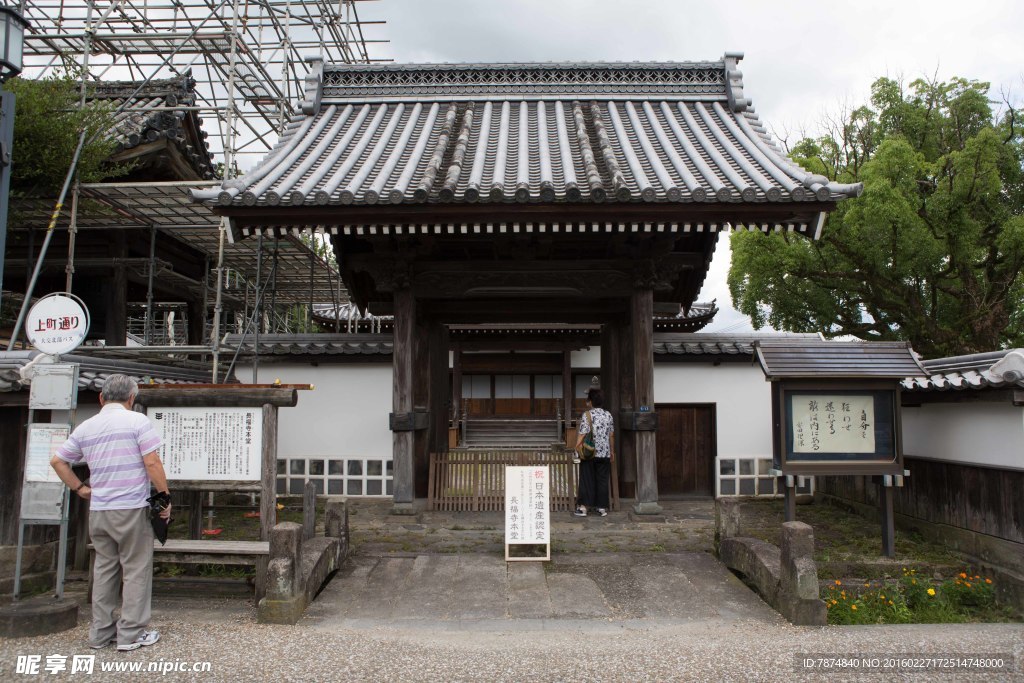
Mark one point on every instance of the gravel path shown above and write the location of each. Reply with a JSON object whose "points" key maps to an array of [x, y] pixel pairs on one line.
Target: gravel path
{"points": [[225, 634]]}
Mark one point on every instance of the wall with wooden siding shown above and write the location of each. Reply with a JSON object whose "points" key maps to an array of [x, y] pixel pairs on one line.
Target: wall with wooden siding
{"points": [[740, 393], [981, 433], [985, 500]]}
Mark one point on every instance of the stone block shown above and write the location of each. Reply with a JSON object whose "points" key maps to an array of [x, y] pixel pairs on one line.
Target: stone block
{"points": [[282, 581], [286, 541], [728, 512], [272, 611], [336, 520], [308, 511], [37, 616]]}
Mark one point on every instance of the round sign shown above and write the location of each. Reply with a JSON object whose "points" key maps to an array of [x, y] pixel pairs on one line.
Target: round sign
{"points": [[57, 323]]}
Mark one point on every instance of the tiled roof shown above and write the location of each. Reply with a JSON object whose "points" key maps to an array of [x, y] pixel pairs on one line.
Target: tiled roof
{"points": [[711, 344], [995, 370], [783, 358], [92, 372], [393, 134], [156, 111], [315, 344]]}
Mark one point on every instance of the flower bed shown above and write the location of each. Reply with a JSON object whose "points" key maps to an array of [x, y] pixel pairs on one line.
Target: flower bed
{"points": [[915, 599]]}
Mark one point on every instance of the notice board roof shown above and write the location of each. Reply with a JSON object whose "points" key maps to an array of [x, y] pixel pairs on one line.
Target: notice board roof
{"points": [[794, 358]]}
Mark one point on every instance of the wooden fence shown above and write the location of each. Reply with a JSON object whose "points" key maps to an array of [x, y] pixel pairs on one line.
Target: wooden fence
{"points": [[469, 480]]}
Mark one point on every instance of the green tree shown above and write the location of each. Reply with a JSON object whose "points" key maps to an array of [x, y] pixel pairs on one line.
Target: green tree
{"points": [[47, 123], [932, 251]]}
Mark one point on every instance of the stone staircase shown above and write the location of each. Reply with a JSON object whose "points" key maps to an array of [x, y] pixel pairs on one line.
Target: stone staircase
{"points": [[511, 432]]}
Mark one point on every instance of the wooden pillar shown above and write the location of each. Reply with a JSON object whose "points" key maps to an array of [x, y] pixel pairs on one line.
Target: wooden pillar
{"points": [[196, 322], [567, 386], [627, 442], [642, 323], [456, 382], [117, 294], [422, 439], [611, 385], [268, 478], [439, 401], [403, 437]]}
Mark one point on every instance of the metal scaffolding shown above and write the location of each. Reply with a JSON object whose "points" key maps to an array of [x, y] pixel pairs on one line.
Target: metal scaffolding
{"points": [[248, 61]]}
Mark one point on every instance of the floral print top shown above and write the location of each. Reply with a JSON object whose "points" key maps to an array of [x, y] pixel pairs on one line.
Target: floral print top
{"points": [[604, 427]]}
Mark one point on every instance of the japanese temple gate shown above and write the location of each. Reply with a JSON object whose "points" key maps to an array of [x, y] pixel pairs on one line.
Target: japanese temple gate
{"points": [[525, 194]]}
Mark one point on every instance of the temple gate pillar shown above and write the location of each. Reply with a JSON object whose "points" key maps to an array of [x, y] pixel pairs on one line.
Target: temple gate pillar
{"points": [[403, 417], [644, 419], [611, 384], [627, 390]]}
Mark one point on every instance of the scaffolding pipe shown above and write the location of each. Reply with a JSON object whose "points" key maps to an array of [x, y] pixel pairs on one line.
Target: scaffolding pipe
{"points": [[69, 269], [147, 335], [258, 312]]}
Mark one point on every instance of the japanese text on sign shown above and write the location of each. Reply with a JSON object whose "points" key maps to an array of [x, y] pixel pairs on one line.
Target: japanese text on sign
{"points": [[833, 424], [210, 444], [527, 516]]}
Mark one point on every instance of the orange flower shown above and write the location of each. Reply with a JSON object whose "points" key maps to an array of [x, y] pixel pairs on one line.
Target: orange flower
{"points": [[962, 575], [853, 607], [838, 582], [968, 584], [988, 580]]}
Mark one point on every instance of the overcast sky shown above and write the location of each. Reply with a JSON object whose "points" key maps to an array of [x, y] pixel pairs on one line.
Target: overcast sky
{"points": [[803, 59]]}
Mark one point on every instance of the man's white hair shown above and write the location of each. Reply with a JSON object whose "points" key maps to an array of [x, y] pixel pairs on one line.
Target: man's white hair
{"points": [[119, 388]]}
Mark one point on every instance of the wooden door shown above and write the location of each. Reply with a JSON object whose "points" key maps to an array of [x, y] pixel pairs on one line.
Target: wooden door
{"points": [[685, 444]]}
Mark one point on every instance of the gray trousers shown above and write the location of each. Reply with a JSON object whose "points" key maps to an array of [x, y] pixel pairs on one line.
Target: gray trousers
{"points": [[123, 540]]}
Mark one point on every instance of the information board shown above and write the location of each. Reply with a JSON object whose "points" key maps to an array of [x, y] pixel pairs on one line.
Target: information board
{"points": [[527, 507], [210, 444], [43, 441], [833, 423]]}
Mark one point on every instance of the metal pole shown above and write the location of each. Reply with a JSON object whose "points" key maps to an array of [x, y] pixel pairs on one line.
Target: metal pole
{"points": [[148, 334], [62, 549], [206, 296], [69, 269], [46, 242], [217, 306], [312, 266], [273, 286], [6, 142], [258, 311]]}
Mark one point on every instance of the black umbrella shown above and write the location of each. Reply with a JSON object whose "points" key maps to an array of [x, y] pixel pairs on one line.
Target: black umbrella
{"points": [[159, 502]]}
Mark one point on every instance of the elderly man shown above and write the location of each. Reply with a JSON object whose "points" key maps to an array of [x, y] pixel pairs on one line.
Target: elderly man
{"points": [[119, 446]]}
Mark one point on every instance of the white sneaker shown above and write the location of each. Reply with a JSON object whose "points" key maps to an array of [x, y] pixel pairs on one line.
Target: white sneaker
{"points": [[580, 511], [103, 644], [602, 512], [145, 639]]}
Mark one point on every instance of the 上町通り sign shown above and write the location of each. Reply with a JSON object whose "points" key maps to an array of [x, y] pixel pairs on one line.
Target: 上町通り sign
{"points": [[57, 323]]}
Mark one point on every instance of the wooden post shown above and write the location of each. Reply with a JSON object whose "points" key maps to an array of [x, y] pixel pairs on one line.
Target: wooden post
{"points": [[268, 495], [196, 322], [308, 510], [642, 321], [611, 388], [403, 360], [568, 393], [456, 383], [117, 301], [438, 399], [421, 391], [195, 515], [625, 438], [789, 497], [885, 502]]}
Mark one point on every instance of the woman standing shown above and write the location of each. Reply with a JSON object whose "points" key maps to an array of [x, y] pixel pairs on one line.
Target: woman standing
{"points": [[593, 488]]}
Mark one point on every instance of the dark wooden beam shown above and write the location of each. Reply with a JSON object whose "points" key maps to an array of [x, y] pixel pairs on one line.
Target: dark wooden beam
{"points": [[403, 397], [641, 315]]}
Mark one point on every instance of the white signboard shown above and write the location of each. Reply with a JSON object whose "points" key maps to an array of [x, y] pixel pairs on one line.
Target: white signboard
{"points": [[43, 441], [210, 444], [57, 323], [833, 424], [527, 509]]}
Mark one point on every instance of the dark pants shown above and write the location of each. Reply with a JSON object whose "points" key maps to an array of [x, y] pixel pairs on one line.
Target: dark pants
{"points": [[593, 489]]}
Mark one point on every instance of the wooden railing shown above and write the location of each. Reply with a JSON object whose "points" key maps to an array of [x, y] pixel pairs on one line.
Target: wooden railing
{"points": [[468, 480]]}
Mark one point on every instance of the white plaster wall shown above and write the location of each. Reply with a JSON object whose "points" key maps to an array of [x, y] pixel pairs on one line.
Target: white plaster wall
{"points": [[742, 399], [346, 415], [983, 434], [589, 357]]}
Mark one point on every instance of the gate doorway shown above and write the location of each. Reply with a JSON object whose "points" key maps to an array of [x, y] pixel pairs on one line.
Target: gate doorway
{"points": [[685, 444]]}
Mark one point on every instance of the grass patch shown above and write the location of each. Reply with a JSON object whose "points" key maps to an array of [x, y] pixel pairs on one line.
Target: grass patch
{"points": [[913, 599]]}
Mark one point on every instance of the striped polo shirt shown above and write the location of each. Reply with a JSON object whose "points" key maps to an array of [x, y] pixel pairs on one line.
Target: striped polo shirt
{"points": [[112, 445]]}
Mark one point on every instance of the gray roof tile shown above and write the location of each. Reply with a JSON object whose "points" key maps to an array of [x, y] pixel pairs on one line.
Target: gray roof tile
{"points": [[666, 132], [995, 370]]}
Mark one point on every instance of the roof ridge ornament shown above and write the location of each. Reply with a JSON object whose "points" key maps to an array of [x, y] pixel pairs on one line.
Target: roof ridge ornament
{"points": [[313, 85], [734, 83]]}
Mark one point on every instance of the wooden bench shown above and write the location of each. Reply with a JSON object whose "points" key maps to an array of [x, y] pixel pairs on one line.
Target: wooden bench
{"points": [[182, 551]]}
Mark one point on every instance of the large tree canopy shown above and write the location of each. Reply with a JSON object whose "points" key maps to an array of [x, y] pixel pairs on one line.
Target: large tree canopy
{"points": [[930, 253]]}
